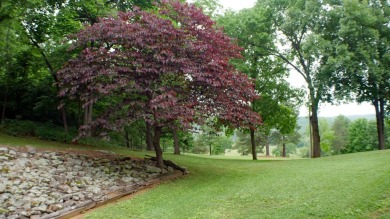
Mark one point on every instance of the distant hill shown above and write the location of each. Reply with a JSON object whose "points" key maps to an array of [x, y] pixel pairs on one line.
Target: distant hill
{"points": [[303, 122]]}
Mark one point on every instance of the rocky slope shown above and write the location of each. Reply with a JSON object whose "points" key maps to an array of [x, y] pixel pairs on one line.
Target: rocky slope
{"points": [[37, 184]]}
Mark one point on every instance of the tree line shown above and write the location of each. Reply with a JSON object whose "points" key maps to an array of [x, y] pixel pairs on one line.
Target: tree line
{"points": [[138, 71]]}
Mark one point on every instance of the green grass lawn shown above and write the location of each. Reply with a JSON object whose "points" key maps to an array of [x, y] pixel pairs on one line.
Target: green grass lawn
{"points": [[347, 186]]}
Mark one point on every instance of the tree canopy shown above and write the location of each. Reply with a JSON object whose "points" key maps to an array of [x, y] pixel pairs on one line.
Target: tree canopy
{"points": [[164, 67]]}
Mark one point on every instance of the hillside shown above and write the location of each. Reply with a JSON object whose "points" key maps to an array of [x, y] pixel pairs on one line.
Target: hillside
{"points": [[303, 122]]}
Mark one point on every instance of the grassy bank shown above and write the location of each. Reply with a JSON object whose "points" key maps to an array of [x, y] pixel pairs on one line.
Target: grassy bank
{"points": [[347, 186]]}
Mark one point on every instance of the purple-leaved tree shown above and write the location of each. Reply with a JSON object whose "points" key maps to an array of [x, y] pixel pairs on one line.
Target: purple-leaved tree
{"points": [[169, 67]]}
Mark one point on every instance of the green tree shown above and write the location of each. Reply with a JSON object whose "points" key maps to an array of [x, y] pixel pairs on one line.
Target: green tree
{"points": [[327, 136], [360, 65], [210, 7], [286, 143], [293, 31], [361, 136], [243, 143], [340, 128], [215, 140], [279, 101]]}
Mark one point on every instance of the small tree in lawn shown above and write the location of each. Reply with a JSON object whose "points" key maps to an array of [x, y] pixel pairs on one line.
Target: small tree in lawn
{"points": [[169, 67]]}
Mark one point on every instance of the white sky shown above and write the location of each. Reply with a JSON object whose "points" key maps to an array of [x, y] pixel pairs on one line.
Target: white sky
{"points": [[326, 110], [237, 5]]}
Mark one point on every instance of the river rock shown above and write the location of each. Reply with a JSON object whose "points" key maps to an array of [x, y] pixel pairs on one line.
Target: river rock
{"points": [[43, 184]]}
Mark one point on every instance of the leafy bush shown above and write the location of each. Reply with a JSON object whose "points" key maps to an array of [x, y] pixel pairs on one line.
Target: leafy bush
{"points": [[45, 131], [19, 128], [199, 150]]}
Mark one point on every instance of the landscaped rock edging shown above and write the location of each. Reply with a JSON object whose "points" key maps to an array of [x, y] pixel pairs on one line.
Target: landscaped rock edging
{"points": [[50, 184]]}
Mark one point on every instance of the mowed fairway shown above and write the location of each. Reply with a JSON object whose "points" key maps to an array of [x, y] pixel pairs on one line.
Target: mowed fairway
{"points": [[347, 186]]}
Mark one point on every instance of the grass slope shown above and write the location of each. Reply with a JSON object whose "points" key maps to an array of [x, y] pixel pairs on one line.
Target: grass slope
{"points": [[347, 186]]}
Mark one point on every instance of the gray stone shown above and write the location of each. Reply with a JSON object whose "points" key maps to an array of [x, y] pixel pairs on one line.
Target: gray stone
{"points": [[2, 158], [55, 207], [19, 203], [93, 189], [41, 162], [12, 152], [41, 208], [152, 169], [35, 184], [3, 187], [127, 179], [3, 150]]}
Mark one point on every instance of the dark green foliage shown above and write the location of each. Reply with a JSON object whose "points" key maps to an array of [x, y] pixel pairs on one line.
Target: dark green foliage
{"points": [[362, 136], [341, 134], [19, 128], [44, 131]]}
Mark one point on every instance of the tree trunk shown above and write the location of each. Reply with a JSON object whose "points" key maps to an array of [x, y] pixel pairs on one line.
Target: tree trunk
{"points": [[210, 148], [253, 143], [176, 145], [379, 114], [88, 119], [54, 75], [63, 113], [316, 148], [267, 149], [4, 107], [284, 150], [127, 138], [149, 138], [156, 144], [6, 77]]}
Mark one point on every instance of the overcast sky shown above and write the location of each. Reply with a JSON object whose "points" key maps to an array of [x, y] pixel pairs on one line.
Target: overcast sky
{"points": [[237, 5], [296, 80]]}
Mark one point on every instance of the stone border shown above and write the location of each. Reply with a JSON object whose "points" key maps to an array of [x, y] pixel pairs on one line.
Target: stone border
{"points": [[58, 171], [111, 197]]}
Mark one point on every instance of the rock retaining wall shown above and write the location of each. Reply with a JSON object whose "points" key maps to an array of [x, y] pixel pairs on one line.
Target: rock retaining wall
{"points": [[46, 184]]}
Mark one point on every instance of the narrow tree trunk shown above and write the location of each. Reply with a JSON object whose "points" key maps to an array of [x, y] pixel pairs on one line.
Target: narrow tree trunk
{"points": [[90, 110], [149, 138], [54, 75], [316, 148], [379, 114], [86, 111], [284, 150], [176, 145], [88, 119], [4, 107], [156, 144], [267, 149], [63, 113], [253, 143], [79, 114], [210, 148], [127, 138], [6, 77]]}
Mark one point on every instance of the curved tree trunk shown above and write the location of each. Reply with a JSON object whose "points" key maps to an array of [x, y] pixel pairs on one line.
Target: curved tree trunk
{"points": [[54, 75], [254, 153], [149, 138], [316, 148], [176, 145], [157, 147]]}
